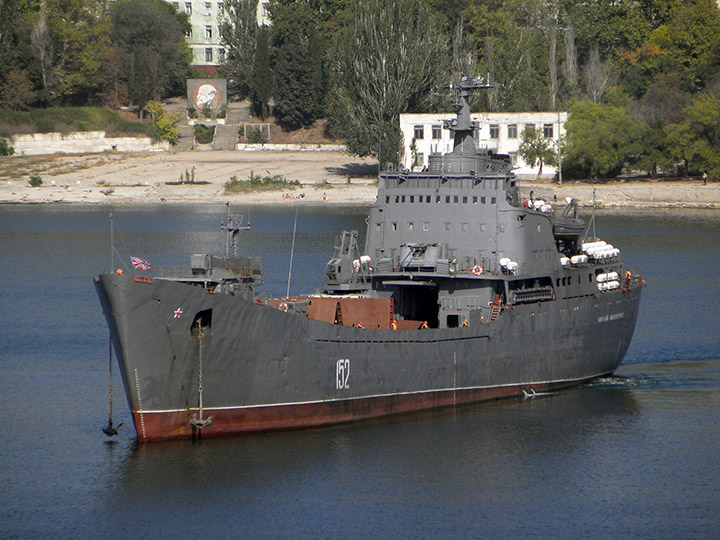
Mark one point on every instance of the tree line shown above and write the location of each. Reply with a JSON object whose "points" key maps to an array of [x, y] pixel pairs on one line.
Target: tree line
{"points": [[641, 78]]}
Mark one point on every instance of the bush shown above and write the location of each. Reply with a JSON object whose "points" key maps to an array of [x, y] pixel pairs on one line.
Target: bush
{"points": [[254, 135], [204, 134], [35, 180], [258, 183], [5, 148], [192, 112]]}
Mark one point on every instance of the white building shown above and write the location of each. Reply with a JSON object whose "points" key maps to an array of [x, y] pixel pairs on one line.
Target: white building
{"points": [[204, 37], [499, 132]]}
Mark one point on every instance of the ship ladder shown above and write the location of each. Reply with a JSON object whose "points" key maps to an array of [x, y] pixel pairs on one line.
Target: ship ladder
{"points": [[496, 308], [197, 421], [110, 430]]}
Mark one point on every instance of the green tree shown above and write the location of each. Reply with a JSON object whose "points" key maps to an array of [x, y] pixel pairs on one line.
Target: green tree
{"points": [[386, 63], [80, 35], [17, 91], [238, 31], [601, 140], [262, 80], [695, 141], [294, 92], [536, 149], [151, 35], [164, 125]]}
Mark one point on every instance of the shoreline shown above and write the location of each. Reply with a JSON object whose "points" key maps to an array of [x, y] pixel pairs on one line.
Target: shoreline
{"points": [[326, 177]]}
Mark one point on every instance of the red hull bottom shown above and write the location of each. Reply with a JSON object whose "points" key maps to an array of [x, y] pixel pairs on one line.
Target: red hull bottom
{"points": [[159, 426]]}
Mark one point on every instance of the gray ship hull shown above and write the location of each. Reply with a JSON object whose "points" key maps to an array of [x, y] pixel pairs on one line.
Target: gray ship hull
{"points": [[255, 368]]}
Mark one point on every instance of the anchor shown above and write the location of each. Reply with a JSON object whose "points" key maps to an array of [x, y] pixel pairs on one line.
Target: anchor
{"points": [[111, 431]]}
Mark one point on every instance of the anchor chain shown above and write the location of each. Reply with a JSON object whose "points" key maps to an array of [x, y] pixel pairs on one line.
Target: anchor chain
{"points": [[197, 422], [109, 430]]}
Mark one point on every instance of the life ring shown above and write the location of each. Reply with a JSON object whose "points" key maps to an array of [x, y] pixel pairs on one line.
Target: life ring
{"points": [[142, 279], [283, 307], [477, 270]]}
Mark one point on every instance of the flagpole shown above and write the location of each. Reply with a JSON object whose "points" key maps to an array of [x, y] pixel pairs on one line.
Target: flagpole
{"points": [[112, 245]]}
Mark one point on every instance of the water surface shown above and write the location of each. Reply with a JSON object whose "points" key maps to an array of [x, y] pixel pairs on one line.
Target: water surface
{"points": [[630, 456]]}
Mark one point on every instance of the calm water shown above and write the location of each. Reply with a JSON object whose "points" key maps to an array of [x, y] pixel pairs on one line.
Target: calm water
{"points": [[634, 456]]}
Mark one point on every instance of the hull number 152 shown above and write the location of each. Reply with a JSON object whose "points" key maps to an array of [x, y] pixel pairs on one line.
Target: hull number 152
{"points": [[342, 374]]}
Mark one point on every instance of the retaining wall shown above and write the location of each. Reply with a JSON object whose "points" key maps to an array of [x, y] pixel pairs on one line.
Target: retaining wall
{"points": [[81, 142]]}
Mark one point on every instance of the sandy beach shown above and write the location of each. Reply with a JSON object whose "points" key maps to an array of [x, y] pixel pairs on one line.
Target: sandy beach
{"points": [[323, 178]]}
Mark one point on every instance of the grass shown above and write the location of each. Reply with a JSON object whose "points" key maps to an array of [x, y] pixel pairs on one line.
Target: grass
{"points": [[66, 119], [258, 183]]}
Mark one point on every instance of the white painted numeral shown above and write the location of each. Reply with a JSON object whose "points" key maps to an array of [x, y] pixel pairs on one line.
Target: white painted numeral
{"points": [[342, 374]]}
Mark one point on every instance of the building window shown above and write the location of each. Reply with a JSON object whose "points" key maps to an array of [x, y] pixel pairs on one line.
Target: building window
{"points": [[494, 131], [221, 8], [512, 131], [221, 55], [208, 54], [419, 132], [188, 8], [176, 5], [437, 132], [208, 32], [548, 131], [208, 9], [188, 34], [530, 126]]}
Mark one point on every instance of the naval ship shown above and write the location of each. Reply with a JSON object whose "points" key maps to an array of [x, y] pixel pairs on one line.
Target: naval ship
{"points": [[464, 292]]}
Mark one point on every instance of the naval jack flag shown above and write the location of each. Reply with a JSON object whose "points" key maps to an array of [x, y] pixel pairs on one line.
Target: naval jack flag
{"points": [[140, 264]]}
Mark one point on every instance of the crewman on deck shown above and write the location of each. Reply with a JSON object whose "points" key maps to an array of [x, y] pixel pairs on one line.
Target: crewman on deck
{"points": [[394, 324], [465, 323], [424, 325]]}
